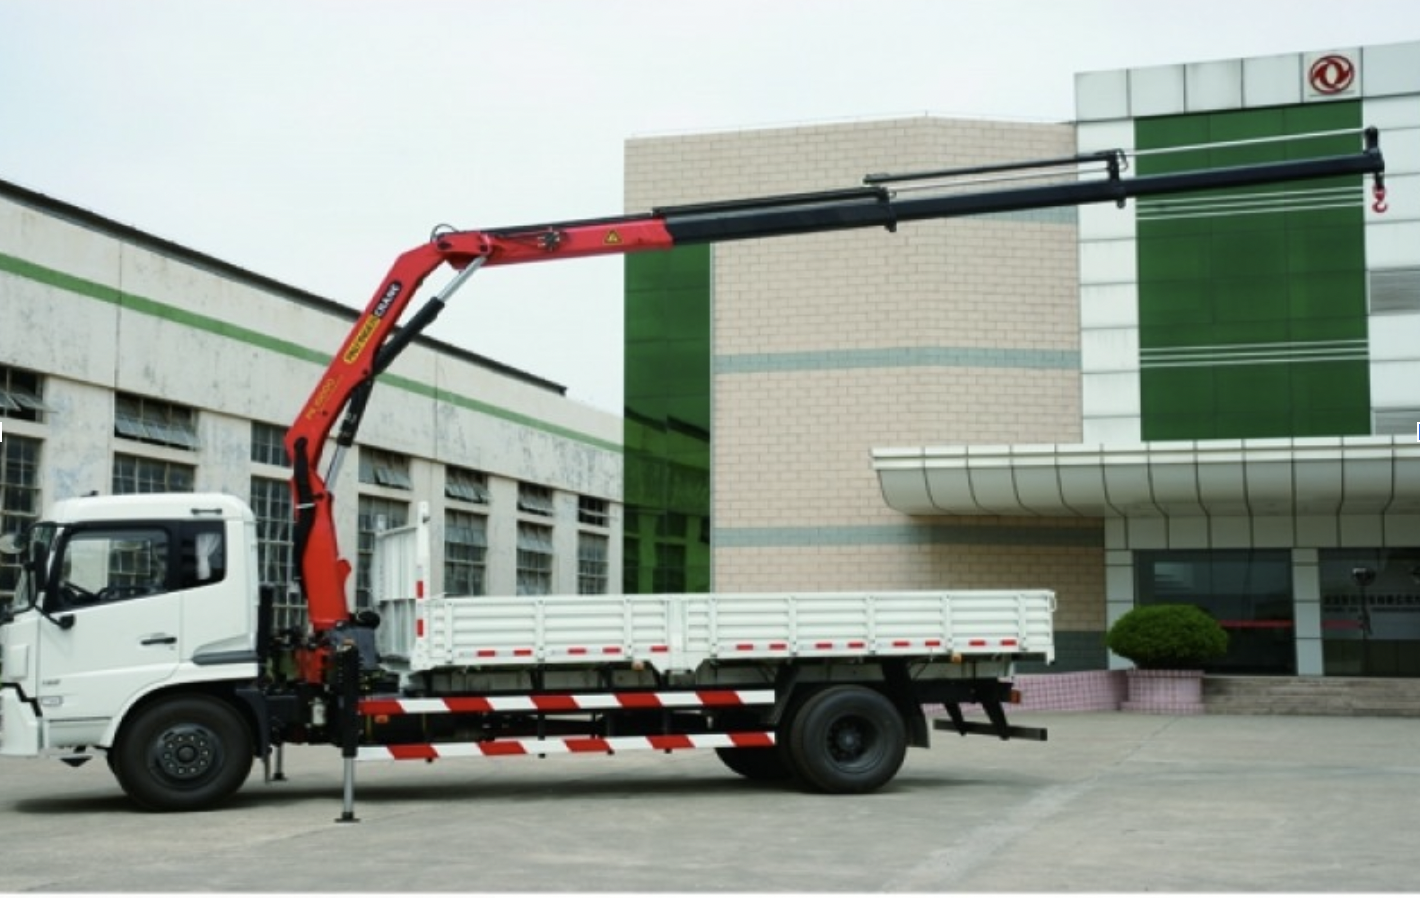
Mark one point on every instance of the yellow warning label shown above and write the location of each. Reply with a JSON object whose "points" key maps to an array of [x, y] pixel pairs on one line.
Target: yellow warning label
{"points": [[362, 337], [612, 238]]}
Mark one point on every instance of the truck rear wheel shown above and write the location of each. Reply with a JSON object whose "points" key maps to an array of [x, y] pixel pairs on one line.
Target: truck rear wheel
{"points": [[847, 739], [184, 753]]}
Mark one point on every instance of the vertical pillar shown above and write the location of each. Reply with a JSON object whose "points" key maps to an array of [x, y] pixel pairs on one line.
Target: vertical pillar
{"points": [[1119, 592], [1306, 610]]}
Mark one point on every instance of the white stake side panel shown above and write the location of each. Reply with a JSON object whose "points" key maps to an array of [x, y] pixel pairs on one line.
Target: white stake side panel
{"points": [[681, 632]]}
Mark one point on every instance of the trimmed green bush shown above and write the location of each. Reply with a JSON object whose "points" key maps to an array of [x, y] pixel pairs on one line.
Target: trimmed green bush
{"points": [[1167, 637]]}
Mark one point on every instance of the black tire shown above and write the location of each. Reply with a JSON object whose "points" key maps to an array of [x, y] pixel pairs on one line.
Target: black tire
{"points": [[186, 753], [759, 764], [847, 739]]}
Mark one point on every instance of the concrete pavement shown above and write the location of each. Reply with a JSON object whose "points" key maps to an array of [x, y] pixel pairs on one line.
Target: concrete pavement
{"points": [[1113, 802]]}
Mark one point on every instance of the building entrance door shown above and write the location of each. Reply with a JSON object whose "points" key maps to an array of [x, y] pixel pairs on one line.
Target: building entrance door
{"points": [[1248, 591]]}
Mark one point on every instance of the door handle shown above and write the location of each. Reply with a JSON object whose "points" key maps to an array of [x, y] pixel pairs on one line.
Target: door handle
{"points": [[159, 639]]}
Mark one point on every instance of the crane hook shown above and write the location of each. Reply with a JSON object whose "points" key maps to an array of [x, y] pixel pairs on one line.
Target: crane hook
{"points": [[1378, 191]]}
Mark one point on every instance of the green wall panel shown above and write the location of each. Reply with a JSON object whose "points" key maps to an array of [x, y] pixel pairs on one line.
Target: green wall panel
{"points": [[1252, 301]]}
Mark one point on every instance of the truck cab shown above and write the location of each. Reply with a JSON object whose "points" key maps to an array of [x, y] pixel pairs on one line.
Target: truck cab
{"points": [[122, 598]]}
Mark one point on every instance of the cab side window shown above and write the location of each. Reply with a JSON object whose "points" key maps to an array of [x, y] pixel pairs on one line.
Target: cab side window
{"points": [[112, 564], [204, 555]]}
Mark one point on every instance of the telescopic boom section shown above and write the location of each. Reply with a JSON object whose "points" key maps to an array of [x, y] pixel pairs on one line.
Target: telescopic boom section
{"points": [[375, 340]]}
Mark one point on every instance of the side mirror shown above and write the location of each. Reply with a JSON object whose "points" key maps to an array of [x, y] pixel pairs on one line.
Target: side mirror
{"points": [[11, 544]]}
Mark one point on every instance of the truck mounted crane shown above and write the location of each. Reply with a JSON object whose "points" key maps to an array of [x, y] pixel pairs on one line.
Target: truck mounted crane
{"points": [[206, 686]]}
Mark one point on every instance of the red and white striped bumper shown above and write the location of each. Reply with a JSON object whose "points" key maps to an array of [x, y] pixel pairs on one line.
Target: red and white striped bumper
{"points": [[567, 746]]}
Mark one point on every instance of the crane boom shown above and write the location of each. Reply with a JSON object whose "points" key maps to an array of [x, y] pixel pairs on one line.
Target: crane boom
{"points": [[376, 339]]}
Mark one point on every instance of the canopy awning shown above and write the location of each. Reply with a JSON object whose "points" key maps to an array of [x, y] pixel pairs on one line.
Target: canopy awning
{"points": [[1307, 475]]}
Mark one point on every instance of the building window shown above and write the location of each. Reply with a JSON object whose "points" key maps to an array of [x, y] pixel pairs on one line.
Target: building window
{"points": [[271, 503], [534, 560], [20, 393], [1248, 591], [19, 501], [132, 474], [137, 559], [466, 485], [535, 500], [593, 512], [268, 445], [465, 553], [382, 468], [592, 564], [1370, 612], [376, 514], [153, 421]]}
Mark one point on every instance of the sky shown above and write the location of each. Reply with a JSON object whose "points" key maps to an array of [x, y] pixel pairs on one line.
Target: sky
{"points": [[313, 141]]}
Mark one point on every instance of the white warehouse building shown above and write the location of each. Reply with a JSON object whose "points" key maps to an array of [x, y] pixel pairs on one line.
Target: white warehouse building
{"points": [[132, 364]]}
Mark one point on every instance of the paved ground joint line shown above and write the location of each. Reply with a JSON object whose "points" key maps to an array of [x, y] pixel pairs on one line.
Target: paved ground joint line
{"points": [[942, 869]]}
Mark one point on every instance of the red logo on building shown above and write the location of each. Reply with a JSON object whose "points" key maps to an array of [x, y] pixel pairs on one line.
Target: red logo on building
{"points": [[1332, 74]]}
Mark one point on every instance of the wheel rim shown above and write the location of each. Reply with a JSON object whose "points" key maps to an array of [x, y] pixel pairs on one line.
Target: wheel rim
{"points": [[186, 754], [853, 742]]}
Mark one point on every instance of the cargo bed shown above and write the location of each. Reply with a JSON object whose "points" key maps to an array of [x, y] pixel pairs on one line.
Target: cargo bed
{"points": [[681, 632]]}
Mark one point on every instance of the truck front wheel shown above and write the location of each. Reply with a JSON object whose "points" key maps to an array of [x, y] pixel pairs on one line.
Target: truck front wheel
{"points": [[184, 753], [847, 739]]}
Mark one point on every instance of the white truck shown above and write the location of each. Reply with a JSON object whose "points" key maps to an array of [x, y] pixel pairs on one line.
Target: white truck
{"points": [[137, 635], [139, 632]]}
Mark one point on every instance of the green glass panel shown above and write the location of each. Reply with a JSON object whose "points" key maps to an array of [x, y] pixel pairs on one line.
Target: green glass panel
{"points": [[1259, 299], [1244, 389], [1316, 118], [1172, 131], [1187, 392], [1264, 298], [1228, 337], [1260, 421], [1185, 427], [1247, 251], [1332, 296], [1171, 258], [1334, 246], [1325, 389], [667, 423], [1328, 331], [1176, 305]]}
